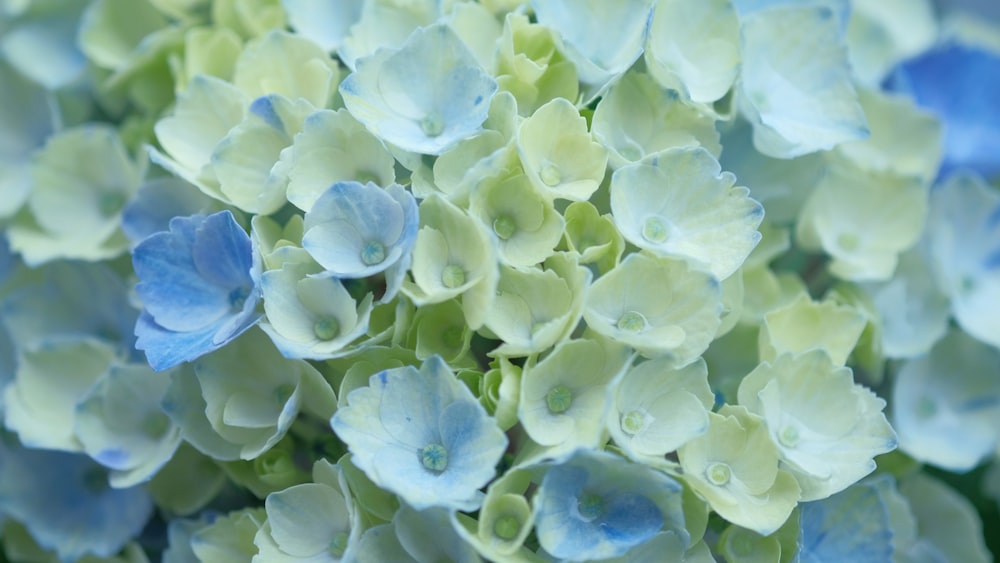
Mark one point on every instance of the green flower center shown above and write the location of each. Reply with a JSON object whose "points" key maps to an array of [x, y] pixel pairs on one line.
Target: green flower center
{"points": [[590, 506], [326, 328], [559, 399], [655, 229], [504, 227], [848, 241], [432, 125], [506, 527], [550, 175], [789, 436], [634, 421], [632, 321], [434, 457], [452, 337], [452, 276], [373, 253], [338, 545], [718, 474]]}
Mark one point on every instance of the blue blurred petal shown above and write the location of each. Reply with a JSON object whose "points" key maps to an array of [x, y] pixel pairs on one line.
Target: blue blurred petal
{"points": [[961, 85], [852, 525], [65, 502], [157, 202]]}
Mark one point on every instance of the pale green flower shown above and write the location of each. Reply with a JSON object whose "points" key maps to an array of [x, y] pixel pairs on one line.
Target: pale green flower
{"points": [[558, 154], [564, 397], [530, 66], [50, 380], [524, 221], [659, 306], [681, 204], [638, 118], [734, 466], [333, 147], [795, 83], [453, 256], [120, 424], [655, 408], [316, 522], [535, 309], [694, 48], [229, 538], [81, 181], [827, 428], [804, 325], [863, 220]]}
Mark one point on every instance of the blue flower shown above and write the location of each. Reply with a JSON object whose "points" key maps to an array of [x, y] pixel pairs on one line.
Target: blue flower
{"points": [[598, 505], [199, 285], [357, 230], [66, 504], [959, 84], [422, 435], [424, 97]]}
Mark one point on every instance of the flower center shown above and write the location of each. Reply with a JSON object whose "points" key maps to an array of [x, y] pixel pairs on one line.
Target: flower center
{"points": [[452, 276], [559, 399], [434, 457], [504, 227], [326, 328], [848, 241], [453, 336], [506, 527], [432, 125], [632, 321], [634, 421], [590, 506], [718, 474], [373, 253], [550, 175], [789, 436], [654, 229]]}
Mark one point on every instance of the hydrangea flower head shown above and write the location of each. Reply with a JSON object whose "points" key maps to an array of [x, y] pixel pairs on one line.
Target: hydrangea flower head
{"points": [[422, 435], [199, 286], [423, 97]]}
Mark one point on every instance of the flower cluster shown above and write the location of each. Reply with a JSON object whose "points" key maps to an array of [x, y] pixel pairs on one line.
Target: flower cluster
{"points": [[503, 280]]}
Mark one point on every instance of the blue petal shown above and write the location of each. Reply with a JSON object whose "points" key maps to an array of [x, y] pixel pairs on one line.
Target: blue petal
{"points": [[630, 519], [222, 252], [66, 504], [157, 202], [171, 288], [166, 348], [852, 525], [961, 85]]}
